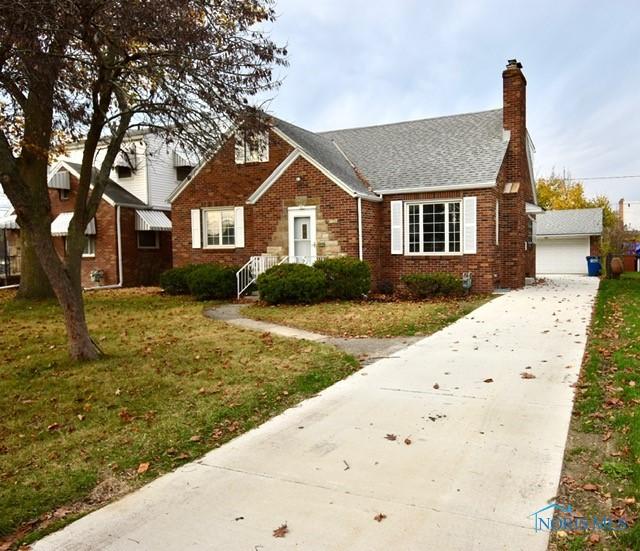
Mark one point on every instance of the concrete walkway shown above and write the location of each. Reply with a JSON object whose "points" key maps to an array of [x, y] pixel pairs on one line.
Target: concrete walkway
{"points": [[368, 349], [483, 451]]}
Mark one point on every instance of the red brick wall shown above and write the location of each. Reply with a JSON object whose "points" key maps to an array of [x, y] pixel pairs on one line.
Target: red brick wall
{"points": [[222, 183], [483, 264], [106, 248], [595, 244], [140, 266]]}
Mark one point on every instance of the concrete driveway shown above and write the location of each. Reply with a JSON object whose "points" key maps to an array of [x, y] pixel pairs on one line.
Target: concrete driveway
{"points": [[483, 451]]}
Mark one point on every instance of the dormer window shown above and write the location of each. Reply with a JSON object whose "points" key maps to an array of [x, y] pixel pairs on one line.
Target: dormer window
{"points": [[252, 148], [124, 171], [183, 162], [125, 162]]}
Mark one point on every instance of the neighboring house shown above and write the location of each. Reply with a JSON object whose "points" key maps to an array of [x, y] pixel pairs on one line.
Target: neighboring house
{"points": [[564, 238], [129, 241], [629, 212], [452, 194]]}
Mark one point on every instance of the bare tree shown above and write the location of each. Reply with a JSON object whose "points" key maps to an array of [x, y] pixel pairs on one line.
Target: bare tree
{"points": [[96, 68]]}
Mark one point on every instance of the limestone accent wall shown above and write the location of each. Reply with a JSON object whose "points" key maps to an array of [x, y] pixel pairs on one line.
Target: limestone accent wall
{"points": [[326, 242]]}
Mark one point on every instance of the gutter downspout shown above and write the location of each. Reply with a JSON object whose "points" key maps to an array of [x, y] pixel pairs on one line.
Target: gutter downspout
{"points": [[360, 248], [119, 243]]}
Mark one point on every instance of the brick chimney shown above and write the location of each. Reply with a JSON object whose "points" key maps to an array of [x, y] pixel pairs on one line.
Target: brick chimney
{"points": [[514, 119]]}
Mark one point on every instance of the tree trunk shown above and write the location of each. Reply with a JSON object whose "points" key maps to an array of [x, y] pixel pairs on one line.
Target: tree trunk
{"points": [[81, 345], [65, 280], [34, 283]]}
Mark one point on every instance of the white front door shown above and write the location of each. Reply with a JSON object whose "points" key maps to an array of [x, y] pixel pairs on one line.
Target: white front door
{"points": [[302, 234]]}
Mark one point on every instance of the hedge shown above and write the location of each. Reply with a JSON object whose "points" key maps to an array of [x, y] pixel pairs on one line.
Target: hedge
{"points": [[347, 278], [433, 284], [212, 281], [292, 283], [174, 281]]}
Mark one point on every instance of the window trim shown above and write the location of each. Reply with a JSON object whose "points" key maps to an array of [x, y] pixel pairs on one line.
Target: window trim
{"points": [[157, 244], [89, 238], [405, 227], [204, 223], [262, 141]]}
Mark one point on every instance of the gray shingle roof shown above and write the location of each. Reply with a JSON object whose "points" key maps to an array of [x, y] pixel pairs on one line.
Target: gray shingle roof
{"points": [[463, 149], [324, 152], [113, 191], [570, 222]]}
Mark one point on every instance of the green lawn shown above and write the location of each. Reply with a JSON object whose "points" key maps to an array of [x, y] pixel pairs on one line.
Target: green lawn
{"points": [[604, 439], [173, 385], [369, 319]]}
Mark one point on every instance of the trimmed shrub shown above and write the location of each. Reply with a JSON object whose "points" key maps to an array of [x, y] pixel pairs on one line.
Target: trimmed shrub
{"points": [[433, 284], [292, 283], [174, 281], [347, 277], [212, 281]]}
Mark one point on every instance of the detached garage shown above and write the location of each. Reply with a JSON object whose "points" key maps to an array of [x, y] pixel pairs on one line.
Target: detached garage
{"points": [[564, 238]]}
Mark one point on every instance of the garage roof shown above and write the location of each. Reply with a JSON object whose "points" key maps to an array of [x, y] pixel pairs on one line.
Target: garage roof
{"points": [[570, 222]]}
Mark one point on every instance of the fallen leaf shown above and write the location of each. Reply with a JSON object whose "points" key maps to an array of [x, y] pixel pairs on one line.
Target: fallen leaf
{"points": [[607, 436], [407, 441], [380, 517], [589, 487], [488, 380], [436, 386], [391, 437], [53, 426], [195, 438], [594, 538], [143, 468], [527, 375], [281, 531]]}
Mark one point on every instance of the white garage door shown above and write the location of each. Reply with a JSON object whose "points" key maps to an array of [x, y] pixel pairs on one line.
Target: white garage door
{"points": [[562, 256]]}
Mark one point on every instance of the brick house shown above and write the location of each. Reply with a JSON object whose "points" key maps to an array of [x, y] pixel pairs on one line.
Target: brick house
{"points": [[129, 240], [452, 194]]}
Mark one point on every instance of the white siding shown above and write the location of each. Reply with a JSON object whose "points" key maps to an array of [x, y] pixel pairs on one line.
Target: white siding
{"points": [[137, 184], [161, 172]]}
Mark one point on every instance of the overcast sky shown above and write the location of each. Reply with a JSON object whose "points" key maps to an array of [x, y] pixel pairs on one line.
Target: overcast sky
{"points": [[362, 62]]}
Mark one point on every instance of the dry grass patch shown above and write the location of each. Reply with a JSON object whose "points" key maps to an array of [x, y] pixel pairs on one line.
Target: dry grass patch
{"points": [[369, 318], [172, 386]]}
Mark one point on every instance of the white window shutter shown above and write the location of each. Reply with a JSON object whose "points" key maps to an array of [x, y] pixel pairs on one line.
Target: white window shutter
{"points": [[469, 205], [239, 227], [196, 229], [240, 153], [396, 227]]}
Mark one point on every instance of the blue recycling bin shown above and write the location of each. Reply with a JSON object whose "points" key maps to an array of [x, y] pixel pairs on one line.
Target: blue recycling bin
{"points": [[593, 265]]}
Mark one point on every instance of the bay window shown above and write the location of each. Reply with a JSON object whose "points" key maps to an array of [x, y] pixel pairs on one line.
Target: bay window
{"points": [[433, 228]]}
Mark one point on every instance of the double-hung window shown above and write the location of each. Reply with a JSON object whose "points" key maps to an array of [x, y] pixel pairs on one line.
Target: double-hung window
{"points": [[433, 228], [219, 228]]}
